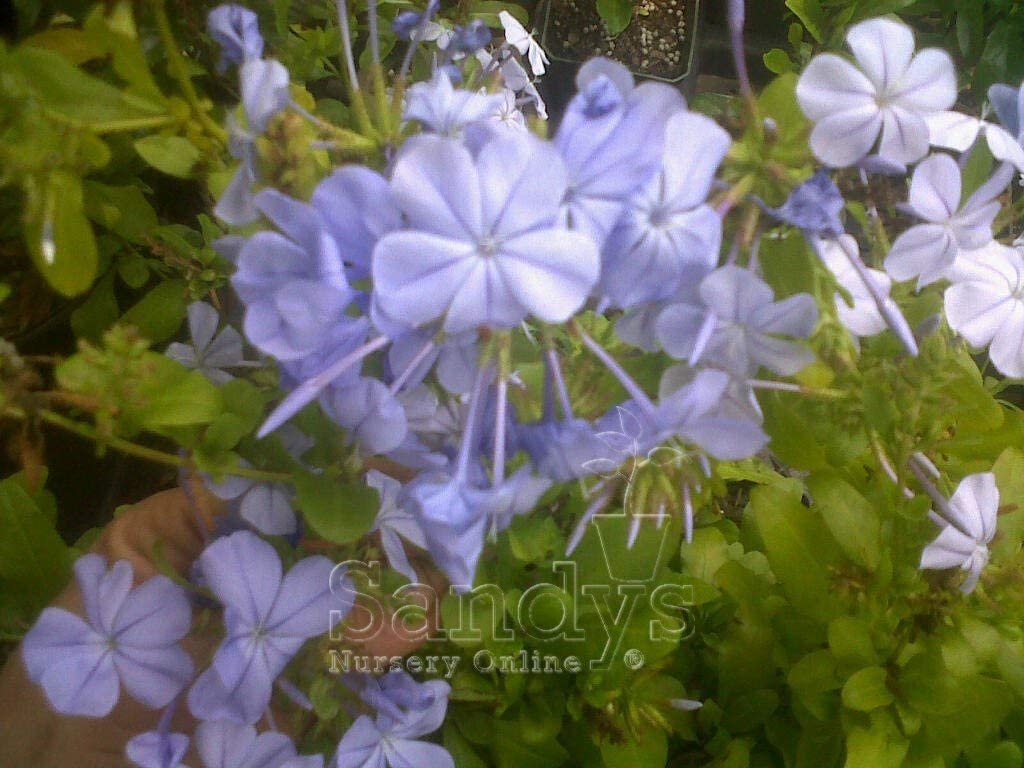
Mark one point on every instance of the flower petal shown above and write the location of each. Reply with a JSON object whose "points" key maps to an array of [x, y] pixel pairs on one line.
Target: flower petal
{"points": [[831, 85]]}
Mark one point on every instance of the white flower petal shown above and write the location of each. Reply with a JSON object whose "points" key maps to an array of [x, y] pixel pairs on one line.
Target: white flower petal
{"points": [[843, 138], [883, 49], [831, 85]]}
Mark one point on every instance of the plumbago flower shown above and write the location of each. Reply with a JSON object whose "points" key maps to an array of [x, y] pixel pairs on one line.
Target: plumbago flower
{"points": [[485, 248], [889, 92], [926, 251], [517, 36], [128, 637], [611, 139], [406, 711], [668, 233], [210, 352], [264, 90], [985, 304], [269, 616], [735, 321], [970, 518], [857, 310]]}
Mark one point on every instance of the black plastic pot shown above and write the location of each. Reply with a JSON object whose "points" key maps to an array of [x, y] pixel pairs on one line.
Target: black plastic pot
{"points": [[558, 85]]}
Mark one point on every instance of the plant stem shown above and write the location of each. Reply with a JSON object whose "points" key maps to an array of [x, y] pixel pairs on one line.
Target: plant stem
{"points": [[132, 449], [179, 71], [799, 389]]}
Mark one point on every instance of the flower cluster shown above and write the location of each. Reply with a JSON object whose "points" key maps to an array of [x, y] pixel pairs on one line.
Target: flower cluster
{"points": [[408, 298]]}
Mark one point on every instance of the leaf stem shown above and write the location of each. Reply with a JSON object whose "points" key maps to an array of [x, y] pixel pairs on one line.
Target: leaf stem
{"points": [[179, 71]]}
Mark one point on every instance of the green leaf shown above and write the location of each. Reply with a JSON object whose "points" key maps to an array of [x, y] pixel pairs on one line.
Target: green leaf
{"points": [[849, 639], [511, 751], [533, 537], [98, 312], [34, 561], [811, 14], [66, 90], [339, 512], [173, 155], [60, 239], [159, 313], [879, 746], [123, 210], [849, 516], [1005, 754], [616, 14], [866, 690], [650, 750], [778, 62], [799, 549], [181, 401], [459, 748]]}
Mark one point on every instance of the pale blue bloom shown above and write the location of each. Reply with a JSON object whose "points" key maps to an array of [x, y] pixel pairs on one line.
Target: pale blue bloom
{"points": [[230, 745], [129, 636], [369, 745], [445, 110], [402, 703], [738, 325], [269, 616], [263, 505], [814, 207], [210, 352], [963, 542], [293, 284], [264, 89], [483, 247], [395, 523], [237, 31], [611, 140], [357, 208], [889, 92], [154, 749], [926, 251], [369, 412], [668, 233]]}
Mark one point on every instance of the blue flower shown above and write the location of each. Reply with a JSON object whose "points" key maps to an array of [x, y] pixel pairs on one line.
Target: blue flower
{"points": [[611, 140], [668, 233], [395, 523], [237, 31], [470, 38], [129, 636], [357, 208], [445, 110], [210, 352], [264, 87], [814, 207], [265, 506], [367, 744], [230, 745], [293, 284], [154, 749], [405, 705], [369, 411], [735, 325], [483, 247], [269, 616], [451, 515]]}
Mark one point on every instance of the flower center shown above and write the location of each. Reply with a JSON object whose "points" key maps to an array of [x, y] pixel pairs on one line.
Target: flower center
{"points": [[487, 246]]}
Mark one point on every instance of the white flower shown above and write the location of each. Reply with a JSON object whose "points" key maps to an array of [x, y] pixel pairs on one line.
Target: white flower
{"points": [[956, 131], [517, 36], [927, 251], [964, 541], [984, 304], [891, 91], [862, 317], [506, 113]]}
